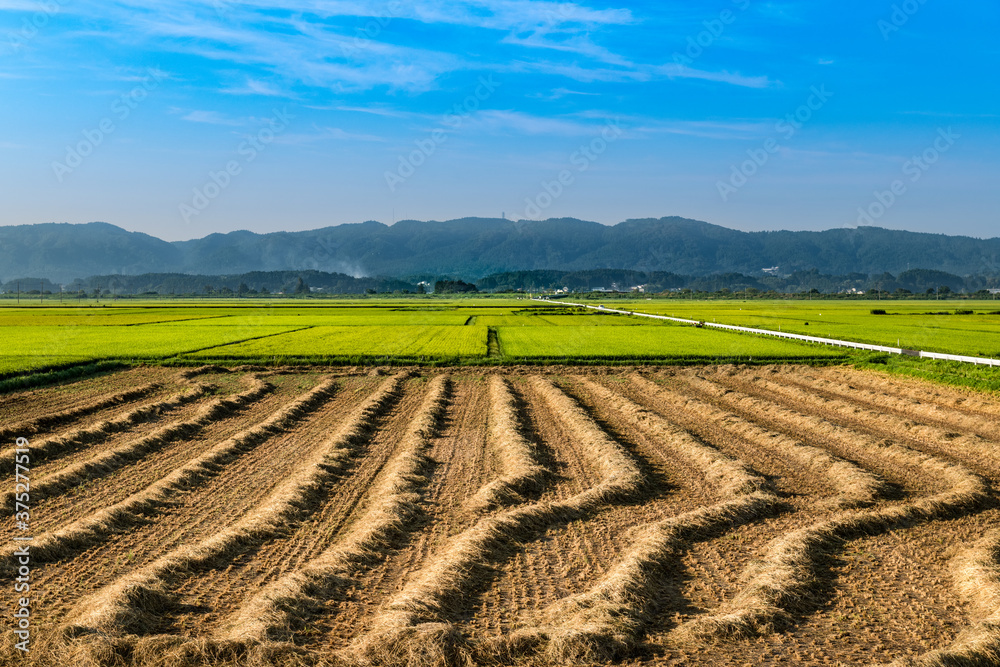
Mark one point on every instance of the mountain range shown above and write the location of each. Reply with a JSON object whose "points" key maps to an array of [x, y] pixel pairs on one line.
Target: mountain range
{"points": [[471, 248]]}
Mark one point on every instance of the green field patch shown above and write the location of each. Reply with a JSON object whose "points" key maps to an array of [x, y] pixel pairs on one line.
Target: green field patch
{"points": [[649, 342], [910, 325], [339, 317], [18, 364], [350, 342], [124, 342], [598, 319], [511, 321], [23, 317], [539, 319]]}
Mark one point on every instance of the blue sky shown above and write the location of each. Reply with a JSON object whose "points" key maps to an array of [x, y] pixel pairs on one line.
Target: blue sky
{"points": [[181, 118]]}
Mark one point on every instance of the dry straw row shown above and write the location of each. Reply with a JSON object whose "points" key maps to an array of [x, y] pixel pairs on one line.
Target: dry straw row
{"points": [[115, 458], [413, 628], [60, 544], [926, 407], [515, 455], [134, 604], [607, 622], [30, 427], [54, 446], [974, 449], [785, 579], [288, 603], [977, 578], [855, 486]]}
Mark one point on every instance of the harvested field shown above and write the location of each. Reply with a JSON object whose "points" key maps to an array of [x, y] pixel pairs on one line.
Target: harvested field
{"points": [[507, 517]]}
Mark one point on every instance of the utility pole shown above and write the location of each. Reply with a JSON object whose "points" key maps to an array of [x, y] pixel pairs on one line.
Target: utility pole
{"points": [[19, 292]]}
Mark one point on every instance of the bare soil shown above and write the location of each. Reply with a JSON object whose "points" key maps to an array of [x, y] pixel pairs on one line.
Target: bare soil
{"points": [[826, 444]]}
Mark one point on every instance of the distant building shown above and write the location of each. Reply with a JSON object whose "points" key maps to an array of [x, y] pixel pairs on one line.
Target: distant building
{"points": [[773, 271]]}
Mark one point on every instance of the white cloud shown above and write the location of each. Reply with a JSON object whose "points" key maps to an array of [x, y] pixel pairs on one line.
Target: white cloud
{"points": [[255, 87], [495, 122], [20, 6], [211, 118], [327, 134], [733, 78], [321, 43]]}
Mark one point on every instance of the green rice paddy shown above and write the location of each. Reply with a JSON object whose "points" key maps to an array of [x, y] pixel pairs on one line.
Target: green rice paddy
{"points": [[479, 330]]}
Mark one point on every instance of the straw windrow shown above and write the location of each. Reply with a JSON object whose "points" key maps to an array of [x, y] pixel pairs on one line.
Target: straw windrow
{"points": [[49, 448], [56, 545], [414, 630], [288, 603], [784, 580], [30, 427], [132, 604], [607, 622], [114, 459], [977, 579], [620, 476], [855, 486], [521, 473]]}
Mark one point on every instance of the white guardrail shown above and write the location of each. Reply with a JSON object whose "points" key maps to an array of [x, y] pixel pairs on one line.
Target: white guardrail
{"points": [[981, 361]]}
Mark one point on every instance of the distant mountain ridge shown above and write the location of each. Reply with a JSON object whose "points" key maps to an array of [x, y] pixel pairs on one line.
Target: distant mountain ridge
{"points": [[471, 248]]}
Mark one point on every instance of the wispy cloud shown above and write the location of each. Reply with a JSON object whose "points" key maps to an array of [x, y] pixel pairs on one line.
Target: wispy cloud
{"points": [[576, 44], [678, 71], [278, 46], [327, 134], [559, 93], [721, 130], [20, 6], [515, 122], [374, 110], [212, 118], [255, 87]]}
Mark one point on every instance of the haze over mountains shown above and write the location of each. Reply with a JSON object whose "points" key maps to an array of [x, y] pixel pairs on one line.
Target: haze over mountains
{"points": [[472, 248]]}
